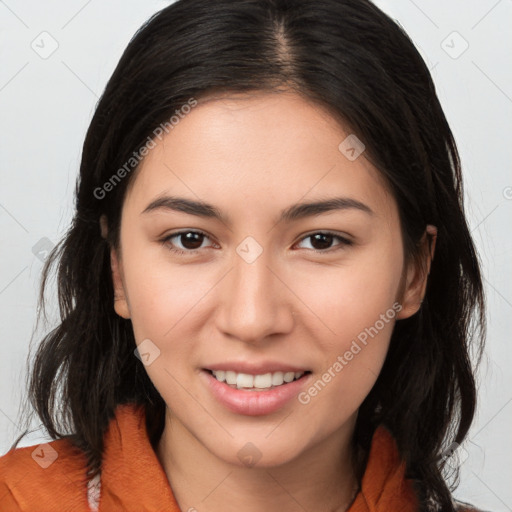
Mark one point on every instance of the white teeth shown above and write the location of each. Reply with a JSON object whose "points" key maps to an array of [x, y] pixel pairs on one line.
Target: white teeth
{"points": [[263, 381], [277, 378], [289, 376], [230, 377], [244, 380], [221, 375]]}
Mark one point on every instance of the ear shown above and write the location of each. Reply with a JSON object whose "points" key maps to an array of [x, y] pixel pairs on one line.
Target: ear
{"points": [[121, 306], [120, 301], [414, 288]]}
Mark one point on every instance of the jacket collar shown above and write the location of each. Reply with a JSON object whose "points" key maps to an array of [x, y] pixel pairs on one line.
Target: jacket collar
{"points": [[132, 475]]}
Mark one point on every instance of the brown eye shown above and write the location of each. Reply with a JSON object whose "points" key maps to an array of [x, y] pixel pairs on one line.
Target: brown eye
{"points": [[191, 240], [322, 241], [185, 242]]}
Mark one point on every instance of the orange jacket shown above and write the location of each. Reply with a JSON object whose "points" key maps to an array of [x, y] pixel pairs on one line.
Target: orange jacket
{"points": [[51, 477]]}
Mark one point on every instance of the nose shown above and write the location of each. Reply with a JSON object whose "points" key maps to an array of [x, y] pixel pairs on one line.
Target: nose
{"points": [[255, 301]]}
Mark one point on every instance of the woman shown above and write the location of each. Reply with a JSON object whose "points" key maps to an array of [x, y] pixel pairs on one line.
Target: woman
{"points": [[215, 352]]}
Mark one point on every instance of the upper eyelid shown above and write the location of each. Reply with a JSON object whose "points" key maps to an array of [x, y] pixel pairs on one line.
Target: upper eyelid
{"points": [[184, 231]]}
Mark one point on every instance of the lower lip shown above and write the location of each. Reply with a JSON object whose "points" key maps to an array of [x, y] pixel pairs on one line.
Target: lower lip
{"points": [[254, 403]]}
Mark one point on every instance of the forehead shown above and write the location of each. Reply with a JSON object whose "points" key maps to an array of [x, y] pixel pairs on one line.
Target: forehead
{"points": [[268, 147]]}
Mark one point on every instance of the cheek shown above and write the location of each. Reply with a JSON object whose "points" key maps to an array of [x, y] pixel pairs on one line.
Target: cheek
{"points": [[349, 297], [351, 362], [164, 303], [337, 394], [357, 306], [163, 296]]}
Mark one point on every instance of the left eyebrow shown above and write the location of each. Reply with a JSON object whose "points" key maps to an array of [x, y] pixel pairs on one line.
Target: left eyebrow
{"points": [[301, 210], [290, 214]]}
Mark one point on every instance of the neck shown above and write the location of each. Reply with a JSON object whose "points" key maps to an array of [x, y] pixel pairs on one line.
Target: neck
{"points": [[322, 478]]}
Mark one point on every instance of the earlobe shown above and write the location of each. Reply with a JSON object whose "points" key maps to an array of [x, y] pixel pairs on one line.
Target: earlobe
{"points": [[103, 226], [120, 302], [432, 232], [417, 275]]}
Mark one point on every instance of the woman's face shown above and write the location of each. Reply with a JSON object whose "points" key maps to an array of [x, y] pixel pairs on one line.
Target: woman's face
{"points": [[250, 294]]}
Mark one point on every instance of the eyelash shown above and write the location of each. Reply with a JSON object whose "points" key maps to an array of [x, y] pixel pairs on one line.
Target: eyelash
{"points": [[343, 242]]}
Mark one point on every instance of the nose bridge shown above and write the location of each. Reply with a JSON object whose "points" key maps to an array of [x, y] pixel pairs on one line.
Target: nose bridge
{"points": [[254, 302]]}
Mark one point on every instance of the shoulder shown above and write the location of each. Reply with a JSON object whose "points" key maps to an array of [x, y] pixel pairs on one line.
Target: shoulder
{"points": [[31, 477]]}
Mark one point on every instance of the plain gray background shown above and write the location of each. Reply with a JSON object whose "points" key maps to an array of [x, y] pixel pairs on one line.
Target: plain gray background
{"points": [[56, 57]]}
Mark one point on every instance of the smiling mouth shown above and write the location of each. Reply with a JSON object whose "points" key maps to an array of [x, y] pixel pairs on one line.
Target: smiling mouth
{"points": [[261, 382]]}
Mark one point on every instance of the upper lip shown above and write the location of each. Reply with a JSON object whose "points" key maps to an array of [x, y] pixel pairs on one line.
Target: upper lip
{"points": [[253, 368]]}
